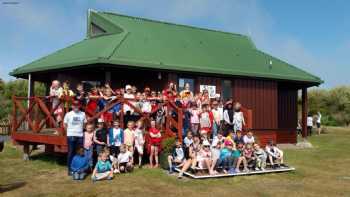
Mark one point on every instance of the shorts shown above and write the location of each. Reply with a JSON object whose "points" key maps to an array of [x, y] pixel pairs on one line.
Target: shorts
{"points": [[318, 125]]}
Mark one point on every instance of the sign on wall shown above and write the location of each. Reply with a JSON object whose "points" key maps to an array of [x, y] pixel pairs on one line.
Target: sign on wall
{"points": [[211, 90]]}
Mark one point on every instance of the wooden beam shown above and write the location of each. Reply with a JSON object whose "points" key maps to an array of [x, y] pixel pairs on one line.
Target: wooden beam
{"points": [[304, 111]]}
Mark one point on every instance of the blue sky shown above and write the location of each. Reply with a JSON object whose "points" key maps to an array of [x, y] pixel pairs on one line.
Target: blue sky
{"points": [[313, 35]]}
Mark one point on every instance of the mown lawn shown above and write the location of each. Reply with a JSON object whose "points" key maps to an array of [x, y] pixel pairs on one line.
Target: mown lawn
{"points": [[321, 171]]}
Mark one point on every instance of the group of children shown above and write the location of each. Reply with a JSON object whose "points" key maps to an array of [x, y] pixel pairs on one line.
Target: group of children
{"points": [[228, 155], [114, 148], [212, 128]]}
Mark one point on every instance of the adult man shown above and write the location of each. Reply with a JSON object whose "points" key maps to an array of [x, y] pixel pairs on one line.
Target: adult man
{"points": [[74, 123]]}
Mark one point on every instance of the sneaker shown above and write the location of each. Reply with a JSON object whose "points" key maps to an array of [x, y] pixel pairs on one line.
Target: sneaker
{"points": [[69, 173], [232, 171], [262, 169], [180, 176], [237, 170], [171, 171], [246, 170], [257, 169], [109, 178], [116, 171]]}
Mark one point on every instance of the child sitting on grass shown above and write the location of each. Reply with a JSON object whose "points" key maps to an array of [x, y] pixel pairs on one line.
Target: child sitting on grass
{"points": [[260, 157], [79, 165], [155, 140], [124, 160], [103, 169], [177, 157]]}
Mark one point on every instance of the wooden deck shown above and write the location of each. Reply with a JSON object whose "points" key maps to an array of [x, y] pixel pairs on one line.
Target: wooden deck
{"points": [[222, 175]]}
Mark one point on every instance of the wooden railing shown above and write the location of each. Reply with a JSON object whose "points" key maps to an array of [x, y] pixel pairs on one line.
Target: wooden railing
{"points": [[36, 113]]}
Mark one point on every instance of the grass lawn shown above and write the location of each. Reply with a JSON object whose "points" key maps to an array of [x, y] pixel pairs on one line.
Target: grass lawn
{"points": [[321, 171]]}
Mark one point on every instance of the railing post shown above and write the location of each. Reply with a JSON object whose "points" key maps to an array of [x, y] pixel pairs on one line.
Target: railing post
{"points": [[14, 115], [121, 115], [179, 124]]}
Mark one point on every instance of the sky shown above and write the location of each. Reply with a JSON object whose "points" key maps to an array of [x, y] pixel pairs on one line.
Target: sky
{"points": [[314, 35]]}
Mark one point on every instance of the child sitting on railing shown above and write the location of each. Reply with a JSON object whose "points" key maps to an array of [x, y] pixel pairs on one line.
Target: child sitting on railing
{"points": [[104, 102], [56, 91]]}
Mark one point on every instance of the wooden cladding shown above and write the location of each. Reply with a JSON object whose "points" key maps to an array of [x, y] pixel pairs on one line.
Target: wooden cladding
{"points": [[287, 107], [261, 97]]}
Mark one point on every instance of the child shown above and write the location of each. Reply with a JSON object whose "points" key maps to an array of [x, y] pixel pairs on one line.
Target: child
{"points": [[116, 138], [56, 92], [217, 116], [80, 94], [215, 155], [238, 118], [103, 168], [129, 136], [91, 106], [260, 157], [124, 160], [146, 106], [274, 154], [155, 139], [241, 159], [194, 118], [128, 111], [248, 153], [249, 138], [104, 101], [139, 140], [218, 139], [177, 157], [79, 165], [226, 159], [88, 143], [238, 137], [188, 139], [204, 157], [205, 119], [100, 136]]}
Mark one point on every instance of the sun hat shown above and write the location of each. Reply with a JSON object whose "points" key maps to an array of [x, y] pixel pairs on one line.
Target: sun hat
{"points": [[128, 87], [206, 143]]}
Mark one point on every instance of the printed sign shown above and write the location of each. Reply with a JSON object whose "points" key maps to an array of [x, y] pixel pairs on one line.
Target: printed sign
{"points": [[211, 90]]}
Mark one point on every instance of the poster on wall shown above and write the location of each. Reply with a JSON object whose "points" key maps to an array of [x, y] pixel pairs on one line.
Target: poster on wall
{"points": [[211, 90]]}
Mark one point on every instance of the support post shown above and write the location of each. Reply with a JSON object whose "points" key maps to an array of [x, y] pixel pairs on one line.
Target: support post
{"points": [[30, 93], [304, 111], [108, 77]]}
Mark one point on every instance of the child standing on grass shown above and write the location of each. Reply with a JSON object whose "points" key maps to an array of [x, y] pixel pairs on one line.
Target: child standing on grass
{"points": [[139, 140], [100, 136], [116, 138], [103, 169], [79, 165], [155, 140], [129, 136], [88, 143]]}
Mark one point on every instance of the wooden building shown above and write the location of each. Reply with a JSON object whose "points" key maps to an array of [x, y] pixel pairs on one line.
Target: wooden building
{"points": [[130, 50]]}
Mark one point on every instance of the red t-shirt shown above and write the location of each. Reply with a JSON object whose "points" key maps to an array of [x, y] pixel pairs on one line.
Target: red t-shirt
{"points": [[154, 140]]}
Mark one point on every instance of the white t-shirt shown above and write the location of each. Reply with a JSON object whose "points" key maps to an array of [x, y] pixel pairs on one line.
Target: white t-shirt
{"points": [[179, 154], [75, 123], [319, 116], [188, 142], [310, 121], [126, 106], [116, 133], [124, 157], [238, 117], [248, 140]]}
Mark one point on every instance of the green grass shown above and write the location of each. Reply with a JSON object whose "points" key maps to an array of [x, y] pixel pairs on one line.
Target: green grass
{"points": [[321, 171]]}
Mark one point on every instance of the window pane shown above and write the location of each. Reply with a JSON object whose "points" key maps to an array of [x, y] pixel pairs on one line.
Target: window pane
{"points": [[226, 89], [183, 81]]}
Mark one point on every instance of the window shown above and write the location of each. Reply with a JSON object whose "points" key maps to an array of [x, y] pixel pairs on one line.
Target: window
{"points": [[183, 81], [226, 90], [96, 30]]}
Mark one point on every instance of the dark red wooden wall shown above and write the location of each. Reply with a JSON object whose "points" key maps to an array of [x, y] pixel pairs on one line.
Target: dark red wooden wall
{"points": [[261, 97]]}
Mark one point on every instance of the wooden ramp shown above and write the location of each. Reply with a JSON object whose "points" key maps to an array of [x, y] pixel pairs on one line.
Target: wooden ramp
{"points": [[221, 175]]}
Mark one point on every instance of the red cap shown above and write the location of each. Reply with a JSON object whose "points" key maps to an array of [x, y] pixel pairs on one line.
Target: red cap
{"points": [[76, 103]]}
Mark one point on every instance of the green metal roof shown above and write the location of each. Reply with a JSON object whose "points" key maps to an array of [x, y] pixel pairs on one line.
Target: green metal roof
{"points": [[147, 43]]}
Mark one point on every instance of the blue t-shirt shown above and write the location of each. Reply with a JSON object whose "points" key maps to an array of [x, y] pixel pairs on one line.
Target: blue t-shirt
{"points": [[224, 153], [79, 163], [103, 166]]}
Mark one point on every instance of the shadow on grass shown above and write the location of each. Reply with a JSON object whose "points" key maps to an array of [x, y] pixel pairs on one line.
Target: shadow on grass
{"points": [[59, 159], [11, 186]]}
